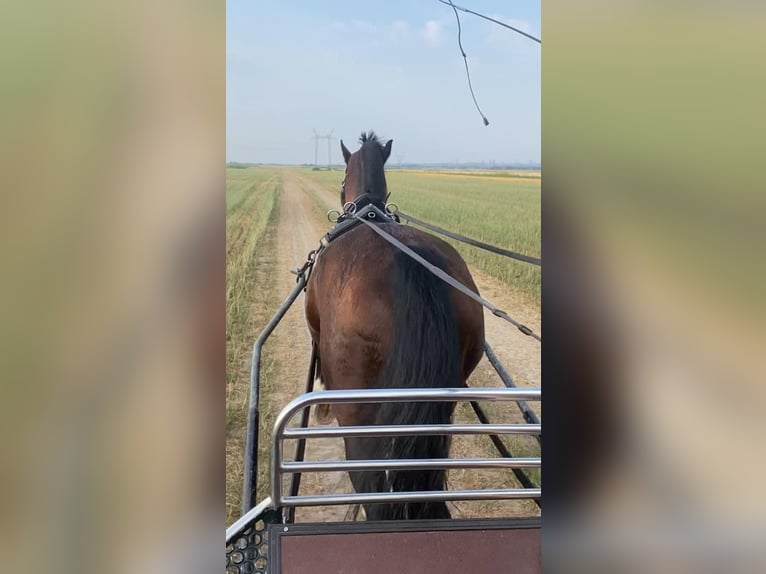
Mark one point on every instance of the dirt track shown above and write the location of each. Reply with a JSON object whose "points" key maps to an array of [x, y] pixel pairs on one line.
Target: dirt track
{"points": [[298, 232], [299, 229]]}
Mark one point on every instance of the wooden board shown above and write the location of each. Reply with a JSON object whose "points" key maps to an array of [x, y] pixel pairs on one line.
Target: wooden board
{"points": [[443, 547]]}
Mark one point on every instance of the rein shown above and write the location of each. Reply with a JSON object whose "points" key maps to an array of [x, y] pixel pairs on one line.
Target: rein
{"points": [[441, 274], [365, 210], [469, 241]]}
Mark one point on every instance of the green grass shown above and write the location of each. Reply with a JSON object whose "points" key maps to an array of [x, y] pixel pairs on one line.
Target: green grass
{"points": [[241, 183], [251, 196], [502, 211], [485, 173], [252, 209]]}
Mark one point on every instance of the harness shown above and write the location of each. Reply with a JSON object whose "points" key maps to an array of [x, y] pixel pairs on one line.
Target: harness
{"points": [[364, 208]]}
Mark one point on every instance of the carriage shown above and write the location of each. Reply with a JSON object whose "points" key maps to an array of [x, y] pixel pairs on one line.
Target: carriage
{"points": [[397, 464]]}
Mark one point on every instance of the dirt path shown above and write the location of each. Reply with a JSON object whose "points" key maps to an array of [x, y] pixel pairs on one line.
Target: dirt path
{"points": [[519, 354], [298, 232]]}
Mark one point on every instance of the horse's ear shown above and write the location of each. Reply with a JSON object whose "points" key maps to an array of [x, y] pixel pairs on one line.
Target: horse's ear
{"points": [[346, 153], [387, 150]]}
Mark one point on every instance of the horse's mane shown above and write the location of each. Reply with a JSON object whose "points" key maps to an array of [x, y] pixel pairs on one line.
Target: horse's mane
{"points": [[370, 137]]}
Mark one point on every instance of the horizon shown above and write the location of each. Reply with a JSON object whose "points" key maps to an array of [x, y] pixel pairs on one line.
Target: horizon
{"points": [[484, 165]]}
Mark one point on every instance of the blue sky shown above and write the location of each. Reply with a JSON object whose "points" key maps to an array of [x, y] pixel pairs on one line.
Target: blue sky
{"points": [[393, 66]]}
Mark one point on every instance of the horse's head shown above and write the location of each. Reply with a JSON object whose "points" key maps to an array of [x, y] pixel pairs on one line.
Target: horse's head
{"points": [[364, 169]]}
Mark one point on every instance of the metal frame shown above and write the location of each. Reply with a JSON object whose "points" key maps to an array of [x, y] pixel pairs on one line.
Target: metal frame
{"points": [[367, 527], [253, 419], [279, 467], [533, 425], [247, 540], [248, 517], [529, 415]]}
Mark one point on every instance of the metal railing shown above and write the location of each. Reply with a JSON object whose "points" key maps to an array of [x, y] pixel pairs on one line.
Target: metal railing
{"points": [[280, 467], [250, 478]]}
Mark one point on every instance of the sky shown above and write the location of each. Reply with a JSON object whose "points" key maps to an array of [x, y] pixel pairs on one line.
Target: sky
{"points": [[347, 66]]}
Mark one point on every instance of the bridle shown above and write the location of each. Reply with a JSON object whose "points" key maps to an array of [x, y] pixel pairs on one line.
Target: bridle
{"points": [[351, 208], [360, 200]]}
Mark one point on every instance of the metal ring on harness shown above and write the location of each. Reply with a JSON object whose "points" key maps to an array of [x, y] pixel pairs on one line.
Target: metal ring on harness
{"points": [[349, 207], [333, 213], [392, 208]]}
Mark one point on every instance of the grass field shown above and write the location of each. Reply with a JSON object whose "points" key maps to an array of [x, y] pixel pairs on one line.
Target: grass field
{"points": [[252, 200], [502, 209]]}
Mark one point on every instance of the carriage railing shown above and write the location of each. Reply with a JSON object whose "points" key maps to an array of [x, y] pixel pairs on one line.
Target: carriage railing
{"points": [[250, 478], [281, 467]]}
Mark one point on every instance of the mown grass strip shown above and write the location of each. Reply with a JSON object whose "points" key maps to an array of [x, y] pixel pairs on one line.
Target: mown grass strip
{"points": [[245, 226], [252, 198]]}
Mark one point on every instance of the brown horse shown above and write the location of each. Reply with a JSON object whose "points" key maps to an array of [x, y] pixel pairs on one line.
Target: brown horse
{"points": [[381, 320]]}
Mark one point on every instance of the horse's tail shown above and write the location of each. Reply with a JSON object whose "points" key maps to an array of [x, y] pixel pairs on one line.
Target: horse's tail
{"points": [[425, 354]]}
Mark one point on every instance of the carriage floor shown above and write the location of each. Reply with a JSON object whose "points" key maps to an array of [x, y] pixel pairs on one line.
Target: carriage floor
{"points": [[455, 546]]}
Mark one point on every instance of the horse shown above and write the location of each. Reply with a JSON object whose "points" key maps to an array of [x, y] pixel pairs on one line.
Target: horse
{"points": [[379, 319]]}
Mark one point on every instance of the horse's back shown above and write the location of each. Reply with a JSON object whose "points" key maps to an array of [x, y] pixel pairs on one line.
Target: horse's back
{"points": [[350, 298], [363, 259]]}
